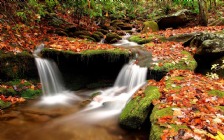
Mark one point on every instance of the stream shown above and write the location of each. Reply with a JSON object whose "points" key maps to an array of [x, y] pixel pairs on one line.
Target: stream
{"points": [[72, 115], [57, 122]]}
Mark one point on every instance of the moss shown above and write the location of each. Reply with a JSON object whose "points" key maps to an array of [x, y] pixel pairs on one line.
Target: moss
{"points": [[187, 63], [170, 84], [14, 66], [221, 108], [4, 104], [110, 52], [217, 93], [137, 109], [150, 26], [30, 93], [101, 35], [139, 40], [158, 113], [156, 132]]}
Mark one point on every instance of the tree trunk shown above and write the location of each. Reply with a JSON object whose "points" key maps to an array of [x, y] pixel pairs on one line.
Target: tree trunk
{"points": [[203, 12]]}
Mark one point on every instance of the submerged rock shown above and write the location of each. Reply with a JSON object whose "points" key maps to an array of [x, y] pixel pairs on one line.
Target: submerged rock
{"points": [[137, 109]]}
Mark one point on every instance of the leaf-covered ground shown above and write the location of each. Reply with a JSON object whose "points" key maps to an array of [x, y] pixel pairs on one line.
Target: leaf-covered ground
{"points": [[194, 101]]}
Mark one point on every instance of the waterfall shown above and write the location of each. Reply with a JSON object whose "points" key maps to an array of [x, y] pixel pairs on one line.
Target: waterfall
{"points": [[111, 101], [50, 77]]}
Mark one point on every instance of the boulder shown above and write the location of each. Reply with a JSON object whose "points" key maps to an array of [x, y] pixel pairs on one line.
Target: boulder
{"points": [[210, 47], [149, 26], [112, 38], [220, 70], [178, 19], [137, 109]]}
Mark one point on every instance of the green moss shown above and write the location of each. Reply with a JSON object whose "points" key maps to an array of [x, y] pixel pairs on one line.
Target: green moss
{"points": [[156, 132], [137, 109], [221, 108], [4, 104], [110, 52], [15, 66], [217, 93], [158, 113], [170, 84], [150, 26], [139, 40], [30, 93], [187, 63]]}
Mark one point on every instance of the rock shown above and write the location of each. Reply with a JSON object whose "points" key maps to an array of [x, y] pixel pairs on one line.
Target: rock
{"points": [[186, 63], [17, 66], [103, 31], [96, 37], [150, 26], [137, 109], [178, 19], [101, 35], [36, 117], [112, 38], [81, 33], [125, 26], [211, 47], [181, 37]]}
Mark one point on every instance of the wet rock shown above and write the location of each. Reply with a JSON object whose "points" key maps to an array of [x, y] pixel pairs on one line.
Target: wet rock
{"points": [[112, 38], [178, 19], [149, 26], [101, 35], [137, 109], [125, 27], [220, 62]]}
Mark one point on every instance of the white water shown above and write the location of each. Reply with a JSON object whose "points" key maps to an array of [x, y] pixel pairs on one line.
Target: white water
{"points": [[112, 100], [53, 89], [125, 42]]}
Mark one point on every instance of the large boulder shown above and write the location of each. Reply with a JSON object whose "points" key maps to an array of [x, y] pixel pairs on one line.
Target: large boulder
{"points": [[150, 26], [210, 46], [178, 19], [137, 109]]}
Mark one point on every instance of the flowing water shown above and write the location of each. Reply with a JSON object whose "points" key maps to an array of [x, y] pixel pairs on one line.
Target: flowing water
{"points": [[72, 115], [125, 42], [53, 88]]}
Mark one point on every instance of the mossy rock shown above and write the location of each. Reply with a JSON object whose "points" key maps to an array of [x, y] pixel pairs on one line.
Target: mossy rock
{"points": [[15, 66], [150, 26], [138, 39], [112, 38], [87, 37], [186, 63], [101, 35], [4, 104], [103, 31], [81, 33], [137, 109], [156, 129]]}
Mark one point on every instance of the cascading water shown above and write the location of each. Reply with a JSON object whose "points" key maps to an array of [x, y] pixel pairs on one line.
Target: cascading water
{"points": [[111, 101], [51, 81], [125, 42]]}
